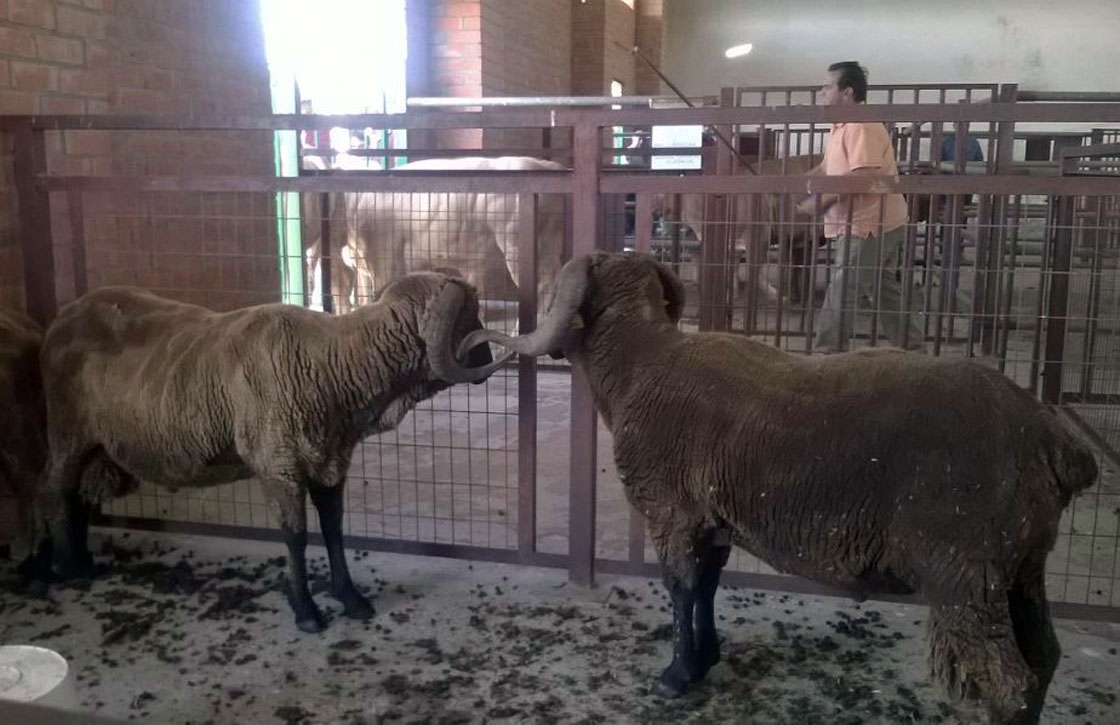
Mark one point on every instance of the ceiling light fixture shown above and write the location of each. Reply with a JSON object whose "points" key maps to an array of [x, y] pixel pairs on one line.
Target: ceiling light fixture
{"points": [[736, 51]]}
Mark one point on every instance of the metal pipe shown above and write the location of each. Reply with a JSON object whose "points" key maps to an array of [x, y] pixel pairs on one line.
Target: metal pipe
{"points": [[1096, 273], [1012, 267], [1043, 277], [521, 101], [1069, 96], [527, 273]]}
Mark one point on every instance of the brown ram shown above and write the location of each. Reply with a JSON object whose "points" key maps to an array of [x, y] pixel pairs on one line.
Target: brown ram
{"points": [[144, 388], [877, 471]]}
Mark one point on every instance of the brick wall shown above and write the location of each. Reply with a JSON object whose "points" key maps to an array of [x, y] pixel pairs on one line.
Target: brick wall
{"points": [[603, 32], [618, 39], [491, 48], [525, 52], [454, 64], [648, 29], [588, 39], [142, 56]]}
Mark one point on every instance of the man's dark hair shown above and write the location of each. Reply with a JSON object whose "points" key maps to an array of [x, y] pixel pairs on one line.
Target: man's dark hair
{"points": [[852, 75]]}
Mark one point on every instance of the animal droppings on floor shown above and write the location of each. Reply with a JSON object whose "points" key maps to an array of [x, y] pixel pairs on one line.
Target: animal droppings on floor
{"points": [[174, 630]]}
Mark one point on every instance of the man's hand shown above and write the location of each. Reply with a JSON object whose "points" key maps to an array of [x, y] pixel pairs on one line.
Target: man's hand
{"points": [[808, 205]]}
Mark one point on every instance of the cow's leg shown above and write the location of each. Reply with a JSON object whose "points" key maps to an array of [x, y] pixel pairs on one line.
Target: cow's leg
{"points": [[328, 501]]}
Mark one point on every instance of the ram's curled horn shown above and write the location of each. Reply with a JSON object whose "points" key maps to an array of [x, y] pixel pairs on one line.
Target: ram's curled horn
{"points": [[438, 327], [571, 284]]}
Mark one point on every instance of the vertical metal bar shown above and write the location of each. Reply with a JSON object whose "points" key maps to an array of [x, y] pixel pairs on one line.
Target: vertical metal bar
{"points": [[960, 146], [1005, 132], [78, 235], [714, 255], [932, 230], [1009, 285], [586, 216], [1058, 304], [527, 379], [950, 261], [752, 226], [1043, 288], [909, 252], [785, 240], [845, 248], [762, 134], [325, 253], [877, 294], [675, 248], [783, 255], [643, 221], [812, 254], [35, 225], [995, 286], [936, 135], [637, 537], [983, 218], [1095, 277], [913, 147]]}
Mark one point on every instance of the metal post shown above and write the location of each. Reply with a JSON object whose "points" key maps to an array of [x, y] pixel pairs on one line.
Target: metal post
{"points": [[527, 380], [78, 235], [586, 217], [756, 249], [1005, 133], [714, 251], [1043, 291], [1062, 239], [675, 241], [643, 220], [1007, 284], [325, 252], [35, 225], [1096, 275]]}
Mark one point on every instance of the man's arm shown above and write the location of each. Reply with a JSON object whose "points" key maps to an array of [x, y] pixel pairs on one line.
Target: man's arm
{"points": [[808, 205]]}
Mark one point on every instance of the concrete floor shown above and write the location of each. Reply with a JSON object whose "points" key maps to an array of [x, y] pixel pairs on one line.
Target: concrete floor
{"points": [[195, 630]]}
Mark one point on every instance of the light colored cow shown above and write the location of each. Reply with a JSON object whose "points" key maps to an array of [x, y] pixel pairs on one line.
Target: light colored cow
{"points": [[382, 236], [767, 224]]}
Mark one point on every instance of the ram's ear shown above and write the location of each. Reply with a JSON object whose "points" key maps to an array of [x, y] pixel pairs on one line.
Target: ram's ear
{"points": [[673, 291]]}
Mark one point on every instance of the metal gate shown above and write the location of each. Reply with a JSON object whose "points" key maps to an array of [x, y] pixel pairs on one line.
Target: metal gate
{"points": [[1017, 270]]}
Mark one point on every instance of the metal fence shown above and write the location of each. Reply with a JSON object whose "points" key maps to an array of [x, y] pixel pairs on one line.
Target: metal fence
{"points": [[1016, 270]]}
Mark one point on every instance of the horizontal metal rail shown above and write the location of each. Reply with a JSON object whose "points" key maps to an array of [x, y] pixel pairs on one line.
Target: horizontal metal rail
{"points": [[566, 117]]}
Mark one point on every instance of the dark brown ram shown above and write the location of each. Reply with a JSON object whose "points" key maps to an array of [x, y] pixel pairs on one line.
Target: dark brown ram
{"points": [[877, 471]]}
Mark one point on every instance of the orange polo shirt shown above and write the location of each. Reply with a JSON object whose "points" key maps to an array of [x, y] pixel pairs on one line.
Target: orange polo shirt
{"points": [[854, 146]]}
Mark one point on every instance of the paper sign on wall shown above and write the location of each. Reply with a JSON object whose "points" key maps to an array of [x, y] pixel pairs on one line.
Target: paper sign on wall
{"points": [[676, 136]]}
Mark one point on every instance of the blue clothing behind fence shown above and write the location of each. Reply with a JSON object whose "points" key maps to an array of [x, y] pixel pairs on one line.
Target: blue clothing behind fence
{"points": [[973, 152]]}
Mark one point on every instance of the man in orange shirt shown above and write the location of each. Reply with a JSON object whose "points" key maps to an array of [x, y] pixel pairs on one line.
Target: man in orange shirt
{"points": [[877, 235]]}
